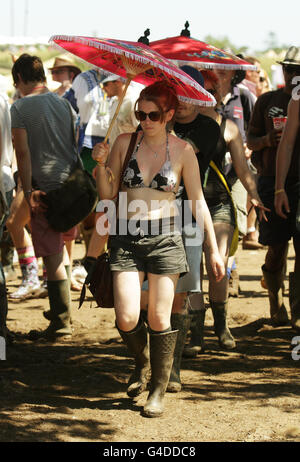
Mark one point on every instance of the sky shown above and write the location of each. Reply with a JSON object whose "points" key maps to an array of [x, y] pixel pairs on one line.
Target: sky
{"points": [[245, 23]]}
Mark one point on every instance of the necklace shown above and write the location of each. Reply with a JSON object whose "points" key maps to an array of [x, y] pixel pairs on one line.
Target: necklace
{"points": [[38, 87], [154, 151]]}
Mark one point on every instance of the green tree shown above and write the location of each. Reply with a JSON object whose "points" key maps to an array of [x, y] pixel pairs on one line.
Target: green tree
{"points": [[224, 43]]}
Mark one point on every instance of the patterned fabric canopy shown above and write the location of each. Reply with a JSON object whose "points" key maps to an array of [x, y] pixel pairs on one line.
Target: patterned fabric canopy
{"points": [[135, 61], [187, 50]]}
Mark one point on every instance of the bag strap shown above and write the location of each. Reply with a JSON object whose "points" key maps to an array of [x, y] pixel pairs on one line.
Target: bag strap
{"points": [[128, 155], [223, 180], [125, 163], [73, 130]]}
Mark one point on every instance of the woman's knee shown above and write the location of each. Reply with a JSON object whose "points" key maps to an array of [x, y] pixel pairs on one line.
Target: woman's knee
{"points": [[126, 320]]}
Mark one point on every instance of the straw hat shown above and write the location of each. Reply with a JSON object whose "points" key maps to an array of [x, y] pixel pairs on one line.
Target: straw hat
{"points": [[64, 62], [292, 57]]}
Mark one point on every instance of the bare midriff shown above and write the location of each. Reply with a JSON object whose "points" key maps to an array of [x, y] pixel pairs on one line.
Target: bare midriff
{"points": [[148, 204]]}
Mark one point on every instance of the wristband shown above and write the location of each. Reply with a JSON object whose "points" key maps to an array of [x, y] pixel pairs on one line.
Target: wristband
{"points": [[278, 191], [28, 192]]}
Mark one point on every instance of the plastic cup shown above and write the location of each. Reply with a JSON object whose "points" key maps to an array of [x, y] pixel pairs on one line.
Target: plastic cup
{"points": [[279, 122]]}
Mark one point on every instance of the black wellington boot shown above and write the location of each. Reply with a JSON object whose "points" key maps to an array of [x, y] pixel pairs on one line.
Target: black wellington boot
{"points": [[137, 344], [274, 282], [222, 331], [197, 344], [181, 323]]}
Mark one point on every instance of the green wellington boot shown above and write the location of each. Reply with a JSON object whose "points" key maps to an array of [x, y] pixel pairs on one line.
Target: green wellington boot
{"points": [[181, 323], [137, 344], [162, 348], [47, 313], [219, 310], [274, 282], [59, 313], [294, 296]]}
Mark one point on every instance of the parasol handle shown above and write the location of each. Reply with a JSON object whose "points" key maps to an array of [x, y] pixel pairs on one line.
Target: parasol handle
{"points": [[128, 81]]}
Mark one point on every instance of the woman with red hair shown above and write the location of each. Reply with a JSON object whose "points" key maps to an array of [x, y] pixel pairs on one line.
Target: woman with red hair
{"points": [[154, 247]]}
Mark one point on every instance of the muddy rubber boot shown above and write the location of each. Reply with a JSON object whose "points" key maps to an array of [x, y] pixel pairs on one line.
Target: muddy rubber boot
{"points": [[180, 322], [162, 348], [219, 310], [137, 344], [59, 313], [47, 313], [234, 284], [197, 344], [274, 281], [294, 296]]}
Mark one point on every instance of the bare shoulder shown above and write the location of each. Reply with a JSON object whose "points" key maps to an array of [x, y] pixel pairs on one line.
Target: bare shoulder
{"points": [[123, 140], [231, 130], [121, 144], [181, 147]]}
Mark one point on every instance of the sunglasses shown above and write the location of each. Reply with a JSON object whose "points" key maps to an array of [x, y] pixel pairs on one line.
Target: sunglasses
{"points": [[58, 71], [290, 69], [153, 115]]}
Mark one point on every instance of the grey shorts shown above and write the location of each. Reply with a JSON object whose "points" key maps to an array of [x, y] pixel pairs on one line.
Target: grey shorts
{"points": [[156, 254], [191, 281]]}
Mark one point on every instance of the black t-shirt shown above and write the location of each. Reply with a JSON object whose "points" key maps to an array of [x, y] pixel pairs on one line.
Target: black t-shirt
{"points": [[269, 105], [203, 134], [214, 190]]}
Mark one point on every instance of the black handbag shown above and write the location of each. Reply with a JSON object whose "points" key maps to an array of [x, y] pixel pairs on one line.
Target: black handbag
{"points": [[75, 199], [99, 279]]}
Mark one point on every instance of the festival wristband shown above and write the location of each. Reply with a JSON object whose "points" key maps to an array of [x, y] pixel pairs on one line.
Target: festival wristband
{"points": [[278, 191], [26, 193]]}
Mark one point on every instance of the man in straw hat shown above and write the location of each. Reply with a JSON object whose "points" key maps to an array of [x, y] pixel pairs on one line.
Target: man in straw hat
{"points": [[125, 122], [264, 134], [63, 71]]}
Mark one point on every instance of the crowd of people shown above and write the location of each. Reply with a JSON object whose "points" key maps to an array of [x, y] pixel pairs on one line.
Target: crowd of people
{"points": [[236, 164]]}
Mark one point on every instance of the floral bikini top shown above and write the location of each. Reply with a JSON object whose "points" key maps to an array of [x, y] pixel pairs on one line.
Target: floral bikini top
{"points": [[164, 180]]}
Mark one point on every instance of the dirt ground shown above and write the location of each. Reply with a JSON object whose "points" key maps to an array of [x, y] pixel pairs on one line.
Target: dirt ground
{"points": [[74, 390]]}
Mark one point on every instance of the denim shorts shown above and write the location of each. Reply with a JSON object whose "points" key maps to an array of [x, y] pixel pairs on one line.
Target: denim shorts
{"points": [[156, 254], [222, 213]]}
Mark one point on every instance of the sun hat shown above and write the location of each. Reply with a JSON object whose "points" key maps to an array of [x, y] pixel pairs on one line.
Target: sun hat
{"points": [[64, 62], [111, 78], [292, 57]]}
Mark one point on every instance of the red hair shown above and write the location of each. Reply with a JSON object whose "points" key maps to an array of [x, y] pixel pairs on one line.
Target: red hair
{"points": [[162, 94]]}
